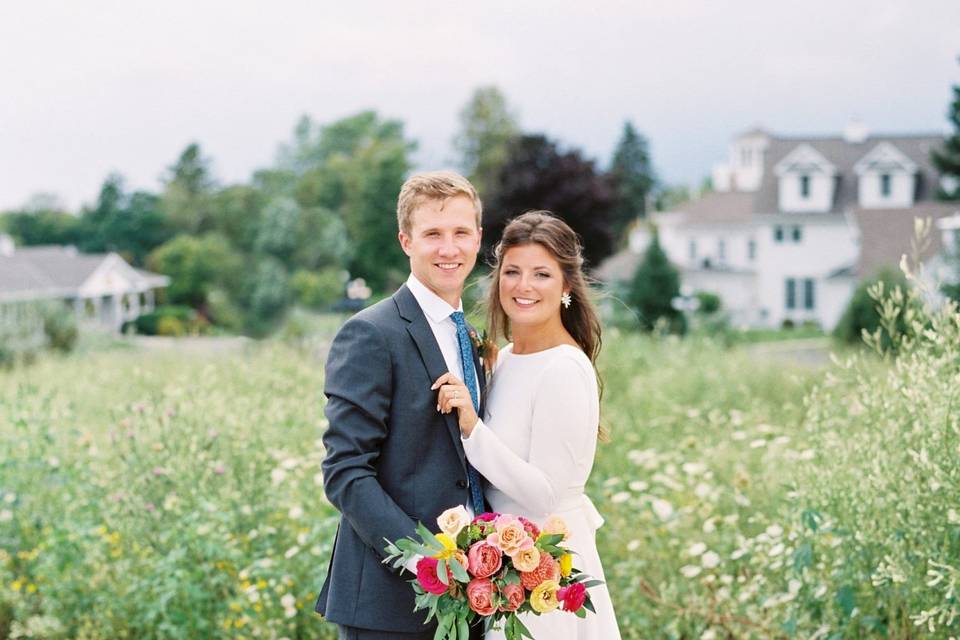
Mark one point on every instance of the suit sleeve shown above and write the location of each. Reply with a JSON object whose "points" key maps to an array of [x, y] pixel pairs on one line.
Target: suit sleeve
{"points": [[358, 388], [562, 442]]}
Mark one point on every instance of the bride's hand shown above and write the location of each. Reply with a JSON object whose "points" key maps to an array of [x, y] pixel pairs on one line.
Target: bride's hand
{"points": [[454, 395]]}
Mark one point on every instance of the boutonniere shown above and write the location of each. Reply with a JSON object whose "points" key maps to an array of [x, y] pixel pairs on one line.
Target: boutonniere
{"points": [[487, 349]]}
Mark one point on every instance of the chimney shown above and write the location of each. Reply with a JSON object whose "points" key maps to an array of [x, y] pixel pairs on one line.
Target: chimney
{"points": [[855, 132]]}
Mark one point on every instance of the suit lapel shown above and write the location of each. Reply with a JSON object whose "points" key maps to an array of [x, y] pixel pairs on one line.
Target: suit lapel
{"points": [[419, 329]]}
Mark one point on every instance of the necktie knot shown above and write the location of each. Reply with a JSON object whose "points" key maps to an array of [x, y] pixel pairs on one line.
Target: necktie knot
{"points": [[458, 319]]}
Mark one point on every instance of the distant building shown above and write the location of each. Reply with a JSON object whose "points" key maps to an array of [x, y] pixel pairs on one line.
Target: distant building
{"points": [[102, 289], [794, 223]]}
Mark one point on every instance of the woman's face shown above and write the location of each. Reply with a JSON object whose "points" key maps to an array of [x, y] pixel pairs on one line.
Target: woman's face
{"points": [[531, 283]]}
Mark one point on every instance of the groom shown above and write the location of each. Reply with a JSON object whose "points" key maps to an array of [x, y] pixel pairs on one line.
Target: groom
{"points": [[392, 460]]}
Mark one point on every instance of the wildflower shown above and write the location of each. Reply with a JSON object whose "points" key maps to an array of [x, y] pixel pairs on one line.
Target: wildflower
{"points": [[697, 549], [662, 508], [621, 496], [295, 512], [710, 560], [690, 571]]}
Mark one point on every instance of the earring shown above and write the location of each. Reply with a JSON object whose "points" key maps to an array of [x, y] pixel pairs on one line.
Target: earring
{"points": [[565, 300]]}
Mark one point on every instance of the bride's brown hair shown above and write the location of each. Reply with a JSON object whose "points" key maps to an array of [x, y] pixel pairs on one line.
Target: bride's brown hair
{"points": [[580, 319]]}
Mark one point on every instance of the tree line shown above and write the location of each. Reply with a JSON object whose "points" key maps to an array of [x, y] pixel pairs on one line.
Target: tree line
{"points": [[241, 254]]}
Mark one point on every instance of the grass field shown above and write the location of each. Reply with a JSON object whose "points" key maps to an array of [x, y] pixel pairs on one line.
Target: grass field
{"points": [[177, 494]]}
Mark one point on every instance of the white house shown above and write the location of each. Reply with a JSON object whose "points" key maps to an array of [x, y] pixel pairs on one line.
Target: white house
{"points": [[794, 223], [103, 289]]}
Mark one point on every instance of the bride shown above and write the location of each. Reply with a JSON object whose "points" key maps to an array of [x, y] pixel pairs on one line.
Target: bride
{"points": [[537, 440]]}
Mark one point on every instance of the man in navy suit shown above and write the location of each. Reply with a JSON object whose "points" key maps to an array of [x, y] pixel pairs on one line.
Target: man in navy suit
{"points": [[392, 460]]}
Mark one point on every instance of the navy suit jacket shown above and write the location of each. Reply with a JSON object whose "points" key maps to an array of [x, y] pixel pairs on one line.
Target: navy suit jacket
{"points": [[391, 459]]}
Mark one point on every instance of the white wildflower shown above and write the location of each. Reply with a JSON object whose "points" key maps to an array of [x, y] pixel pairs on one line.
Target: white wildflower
{"points": [[662, 508], [621, 496], [697, 549], [690, 571], [710, 560], [296, 512]]}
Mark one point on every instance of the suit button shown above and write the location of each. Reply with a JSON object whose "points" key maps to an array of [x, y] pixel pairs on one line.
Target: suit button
{"points": [[462, 484]]}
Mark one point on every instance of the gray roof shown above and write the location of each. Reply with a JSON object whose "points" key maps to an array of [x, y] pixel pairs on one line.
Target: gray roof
{"points": [[717, 207], [888, 234], [43, 272], [843, 155]]}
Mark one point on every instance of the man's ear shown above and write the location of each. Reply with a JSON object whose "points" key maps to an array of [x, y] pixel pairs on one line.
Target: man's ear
{"points": [[404, 242]]}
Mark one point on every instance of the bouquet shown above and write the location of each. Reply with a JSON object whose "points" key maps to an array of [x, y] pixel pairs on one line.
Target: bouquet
{"points": [[495, 567]]}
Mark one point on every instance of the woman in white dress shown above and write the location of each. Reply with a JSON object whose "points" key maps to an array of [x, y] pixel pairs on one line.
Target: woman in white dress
{"points": [[537, 440]]}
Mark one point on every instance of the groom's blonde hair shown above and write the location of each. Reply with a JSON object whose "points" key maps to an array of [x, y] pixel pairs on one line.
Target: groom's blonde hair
{"points": [[432, 185]]}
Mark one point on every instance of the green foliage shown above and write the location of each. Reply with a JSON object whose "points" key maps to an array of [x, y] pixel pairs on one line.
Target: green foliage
{"points": [[279, 228], [60, 327], [196, 265], [633, 177], [655, 284], [352, 168], [187, 195], [163, 496], [266, 295], [709, 302], [887, 541], [168, 319], [236, 212], [317, 289], [538, 174], [130, 224], [41, 227], [486, 130], [862, 315]]}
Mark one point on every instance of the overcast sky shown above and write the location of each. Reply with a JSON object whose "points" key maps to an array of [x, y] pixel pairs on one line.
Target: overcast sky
{"points": [[93, 86]]}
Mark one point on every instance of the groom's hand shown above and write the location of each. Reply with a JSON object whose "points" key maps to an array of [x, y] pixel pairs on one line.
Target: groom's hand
{"points": [[454, 394]]}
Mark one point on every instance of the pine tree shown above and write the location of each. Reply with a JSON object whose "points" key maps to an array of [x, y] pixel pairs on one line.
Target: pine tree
{"points": [[947, 160], [655, 284], [634, 178]]}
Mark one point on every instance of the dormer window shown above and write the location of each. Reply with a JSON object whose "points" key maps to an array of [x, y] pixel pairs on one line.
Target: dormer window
{"points": [[886, 178], [806, 181]]}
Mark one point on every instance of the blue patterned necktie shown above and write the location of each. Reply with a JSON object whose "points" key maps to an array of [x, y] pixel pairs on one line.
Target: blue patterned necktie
{"points": [[470, 380]]}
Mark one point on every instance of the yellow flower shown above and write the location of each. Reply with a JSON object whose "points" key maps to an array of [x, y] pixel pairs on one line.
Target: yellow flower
{"points": [[31, 588], [566, 564], [449, 547], [543, 599], [15, 585]]}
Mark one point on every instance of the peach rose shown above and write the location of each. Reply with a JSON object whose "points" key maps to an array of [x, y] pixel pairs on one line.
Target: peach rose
{"points": [[480, 596], [513, 593], [509, 536], [527, 559], [483, 560], [452, 521], [555, 525]]}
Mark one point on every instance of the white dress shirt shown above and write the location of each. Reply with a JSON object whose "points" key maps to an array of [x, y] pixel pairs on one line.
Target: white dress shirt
{"points": [[444, 329], [437, 310]]}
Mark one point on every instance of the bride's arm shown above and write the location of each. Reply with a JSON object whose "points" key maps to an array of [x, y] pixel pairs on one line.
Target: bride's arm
{"points": [[562, 441]]}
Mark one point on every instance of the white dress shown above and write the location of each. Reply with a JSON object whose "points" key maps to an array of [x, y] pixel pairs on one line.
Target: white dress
{"points": [[535, 446]]}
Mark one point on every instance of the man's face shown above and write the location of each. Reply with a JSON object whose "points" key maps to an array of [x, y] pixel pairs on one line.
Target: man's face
{"points": [[442, 245]]}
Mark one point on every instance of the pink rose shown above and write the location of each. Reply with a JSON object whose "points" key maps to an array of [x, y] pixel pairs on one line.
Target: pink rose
{"points": [[480, 596], [572, 596], [428, 578], [532, 530], [514, 595], [483, 560], [486, 517]]}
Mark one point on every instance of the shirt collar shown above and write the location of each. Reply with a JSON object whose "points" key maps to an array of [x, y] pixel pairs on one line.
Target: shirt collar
{"points": [[435, 307]]}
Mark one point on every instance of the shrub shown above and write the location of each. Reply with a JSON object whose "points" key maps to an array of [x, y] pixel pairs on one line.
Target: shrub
{"points": [[863, 314], [170, 326], [60, 327], [654, 286], [149, 323], [317, 289], [709, 302], [878, 529]]}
